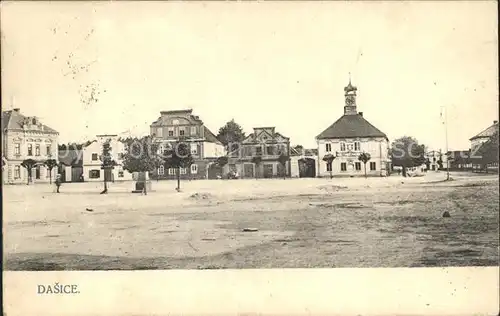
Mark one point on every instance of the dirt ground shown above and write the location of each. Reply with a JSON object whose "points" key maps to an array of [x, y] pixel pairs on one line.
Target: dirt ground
{"points": [[294, 223]]}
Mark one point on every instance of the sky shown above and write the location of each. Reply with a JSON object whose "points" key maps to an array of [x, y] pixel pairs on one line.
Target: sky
{"points": [[281, 64]]}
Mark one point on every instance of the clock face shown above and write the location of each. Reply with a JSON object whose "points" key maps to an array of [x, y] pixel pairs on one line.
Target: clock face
{"points": [[349, 100]]}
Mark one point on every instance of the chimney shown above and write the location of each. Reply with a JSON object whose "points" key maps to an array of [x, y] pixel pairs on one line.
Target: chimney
{"points": [[495, 122], [361, 114], [16, 110]]}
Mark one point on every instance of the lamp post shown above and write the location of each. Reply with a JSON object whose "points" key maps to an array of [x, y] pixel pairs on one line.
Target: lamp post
{"points": [[446, 140]]}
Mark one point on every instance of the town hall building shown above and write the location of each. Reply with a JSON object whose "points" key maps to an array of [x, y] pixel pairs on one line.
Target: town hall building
{"points": [[347, 138]]}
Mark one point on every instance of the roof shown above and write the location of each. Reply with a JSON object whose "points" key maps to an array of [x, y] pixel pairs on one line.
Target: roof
{"points": [[13, 120], [210, 137], [487, 132], [349, 126]]}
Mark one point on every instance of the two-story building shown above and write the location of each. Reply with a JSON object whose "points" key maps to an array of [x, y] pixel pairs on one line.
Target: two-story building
{"points": [[181, 125], [91, 160], [347, 138], [25, 137], [265, 143]]}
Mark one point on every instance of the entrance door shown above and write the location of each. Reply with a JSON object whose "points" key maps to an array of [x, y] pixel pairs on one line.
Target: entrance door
{"points": [[268, 170], [37, 172], [248, 171]]}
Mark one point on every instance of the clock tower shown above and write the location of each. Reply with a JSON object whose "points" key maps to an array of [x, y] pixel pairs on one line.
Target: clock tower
{"points": [[350, 99]]}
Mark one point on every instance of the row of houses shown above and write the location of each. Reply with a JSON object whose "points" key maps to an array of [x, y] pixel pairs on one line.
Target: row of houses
{"points": [[346, 138]]}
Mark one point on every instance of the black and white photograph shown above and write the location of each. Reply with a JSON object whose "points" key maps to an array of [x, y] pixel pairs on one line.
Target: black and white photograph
{"points": [[249, 135]]}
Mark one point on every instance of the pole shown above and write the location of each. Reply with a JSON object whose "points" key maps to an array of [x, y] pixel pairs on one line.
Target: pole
{"points": [[446, 132]]}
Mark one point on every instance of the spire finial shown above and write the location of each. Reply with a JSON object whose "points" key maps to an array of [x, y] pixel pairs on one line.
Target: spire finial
{"points": [[349, 77]]}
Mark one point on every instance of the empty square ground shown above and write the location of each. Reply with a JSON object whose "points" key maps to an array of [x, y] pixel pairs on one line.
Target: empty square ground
{"points": [[295, 223]]}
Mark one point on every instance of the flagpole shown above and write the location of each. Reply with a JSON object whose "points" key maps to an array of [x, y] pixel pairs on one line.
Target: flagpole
{"points": [[446, 132]]}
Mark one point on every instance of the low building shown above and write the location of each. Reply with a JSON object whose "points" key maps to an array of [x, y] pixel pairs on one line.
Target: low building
{"points": [[303, 163], [347, 138], [91, 161], [435, 160], [265, 143], [71, 165], [26, 137], [476, 144], [181, 125]]}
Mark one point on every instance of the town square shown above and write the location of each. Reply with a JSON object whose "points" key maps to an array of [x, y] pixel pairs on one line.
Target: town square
{"points": [[368, 146]]}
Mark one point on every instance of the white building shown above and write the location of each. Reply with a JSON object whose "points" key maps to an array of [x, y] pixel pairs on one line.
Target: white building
{"points": [[92, 163], [25, 137], [347, 138]]}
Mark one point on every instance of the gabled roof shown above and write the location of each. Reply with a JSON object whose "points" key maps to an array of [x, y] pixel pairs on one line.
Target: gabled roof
{"points": [[350, 126], [258, 131], [12, 120], [487, 132], [209, 136]]}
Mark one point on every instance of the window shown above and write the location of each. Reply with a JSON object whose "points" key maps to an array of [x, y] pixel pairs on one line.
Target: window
{"points": [[49, 150], [357, 146], [183, 170], [37, 150], [373, 166], [17, 149], [94, 174], [358, 166], [343, 166], [258, 151], [30, 150], [159, 132], [328, 147], [270, 150], [170, 131], [17, 172], [181, 132], [94, 157], [328, 166], [161, 170], [193, 130], [342, 146], [194, 149], [120, 173], [171, 171], [194, 169]]}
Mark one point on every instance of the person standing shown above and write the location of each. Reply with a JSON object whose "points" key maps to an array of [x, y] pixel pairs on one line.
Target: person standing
{"points": [[58, 182]]}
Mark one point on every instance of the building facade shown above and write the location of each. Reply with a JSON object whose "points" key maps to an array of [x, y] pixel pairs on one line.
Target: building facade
{"points": [[476, 144], [181, 125], [91, 162], [347, 138], [25, 137], [265, 143]]}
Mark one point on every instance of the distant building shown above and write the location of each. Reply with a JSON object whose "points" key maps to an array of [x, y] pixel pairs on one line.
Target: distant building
{"points": [[71, 165], [91, 160], [173, 126], [25, 137], [303, 162], [347, 138], [477, 142], [436, 160], [267, 144]]}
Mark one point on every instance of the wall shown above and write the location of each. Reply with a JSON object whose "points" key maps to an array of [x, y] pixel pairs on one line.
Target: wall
{"points": [[117, 148], [212, 150], [376, 147]]}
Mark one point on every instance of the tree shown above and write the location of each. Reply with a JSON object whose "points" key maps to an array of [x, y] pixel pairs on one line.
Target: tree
{"points": [[29, 164], [230, 133], [283, 158], [62, 147], [179, 156], [107, 162], [329, 158], [256, 160], [364, 158], [50, 164], [141, 155], [221, 162], [406, 152]]}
